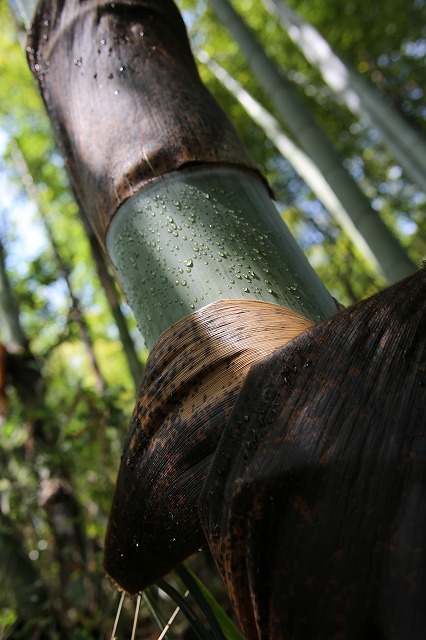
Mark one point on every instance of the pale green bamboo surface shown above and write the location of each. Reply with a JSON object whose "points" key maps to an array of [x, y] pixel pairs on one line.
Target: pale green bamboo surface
{"points": [[205, 234]]}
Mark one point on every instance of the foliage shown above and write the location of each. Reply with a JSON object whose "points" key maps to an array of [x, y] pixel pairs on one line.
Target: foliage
{"points": [[386, 43], [83, 430]]}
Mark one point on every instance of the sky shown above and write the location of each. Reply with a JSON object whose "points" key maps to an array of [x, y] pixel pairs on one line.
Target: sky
{"points": [[18, 220]]}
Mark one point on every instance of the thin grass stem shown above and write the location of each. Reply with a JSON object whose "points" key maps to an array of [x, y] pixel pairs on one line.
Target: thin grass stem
{"points": [[117, 617], [148, 597], [171, 619], [135, 621]]}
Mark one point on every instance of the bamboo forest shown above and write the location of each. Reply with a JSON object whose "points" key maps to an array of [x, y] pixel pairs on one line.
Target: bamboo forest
{"points": [[212, 319]]}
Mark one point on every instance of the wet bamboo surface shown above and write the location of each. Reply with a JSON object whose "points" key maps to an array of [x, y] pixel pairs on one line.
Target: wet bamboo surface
{"points": [[124, 95]]}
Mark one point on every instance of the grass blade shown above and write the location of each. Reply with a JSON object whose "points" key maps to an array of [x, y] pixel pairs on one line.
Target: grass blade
{"points": [[195, 591], [199, 628], [229, 628]]}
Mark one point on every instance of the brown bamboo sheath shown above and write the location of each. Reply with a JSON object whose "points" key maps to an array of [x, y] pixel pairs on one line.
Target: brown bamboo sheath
{"points": [[193, 376], [315, 502], [125, 98]]}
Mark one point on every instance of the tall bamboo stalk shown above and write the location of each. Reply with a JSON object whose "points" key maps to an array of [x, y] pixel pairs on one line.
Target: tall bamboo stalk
{"points": [[187, 220], [378, 244], [298, 159], [11, 333], [182, 210], [76, 313], [360, 96]]}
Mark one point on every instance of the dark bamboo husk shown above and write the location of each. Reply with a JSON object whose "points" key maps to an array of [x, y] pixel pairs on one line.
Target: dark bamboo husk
{"points": [[125, 98], [315, 503], [192, 379]]}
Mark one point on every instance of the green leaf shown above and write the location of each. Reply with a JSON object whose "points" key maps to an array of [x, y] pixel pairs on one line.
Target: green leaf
{"points": [[199, 628], [194, 589], [151, 602], [229, 629]]}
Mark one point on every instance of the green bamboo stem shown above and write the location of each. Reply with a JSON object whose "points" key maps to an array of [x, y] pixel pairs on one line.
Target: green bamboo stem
{"points": [[356, 93], [389, 255], [299, 160], [204, 234], [11, 333], [64, 269]]}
